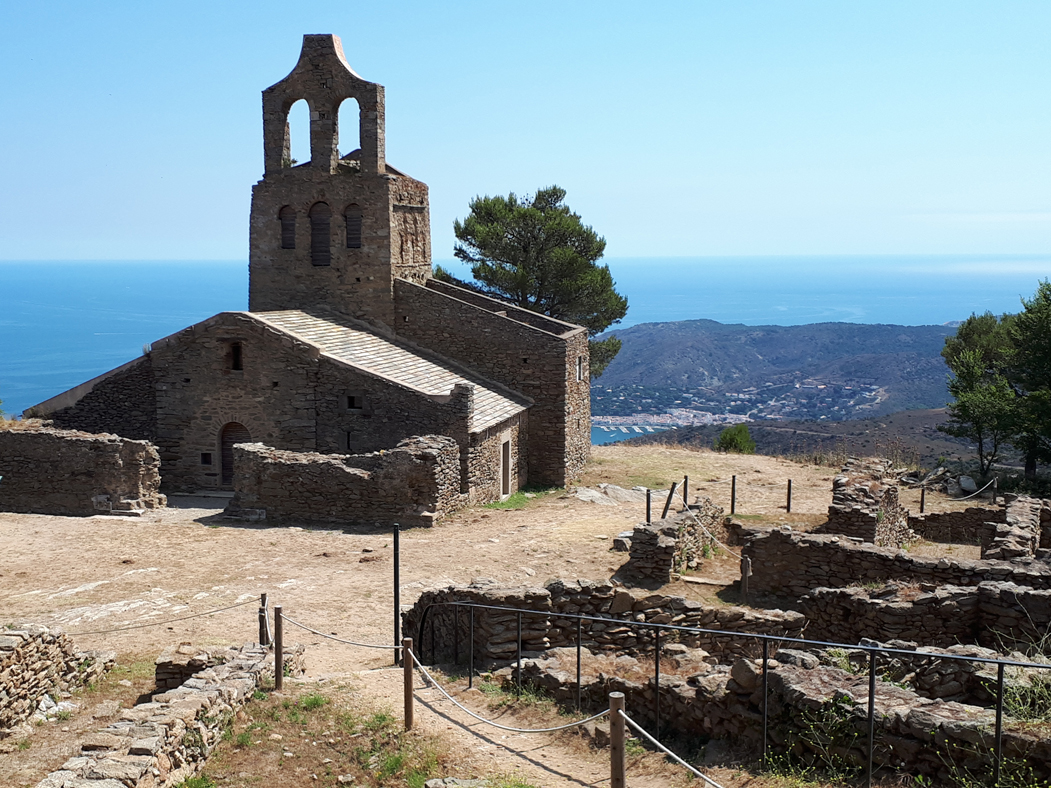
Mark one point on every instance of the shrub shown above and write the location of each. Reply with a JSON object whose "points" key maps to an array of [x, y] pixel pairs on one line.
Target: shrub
{"points": [[735, 439]]}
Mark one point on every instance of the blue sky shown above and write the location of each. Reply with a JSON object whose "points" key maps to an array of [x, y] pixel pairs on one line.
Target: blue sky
{"points": [[133, 130]]}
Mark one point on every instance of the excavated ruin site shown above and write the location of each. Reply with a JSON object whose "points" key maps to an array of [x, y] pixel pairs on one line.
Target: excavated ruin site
{"points": [[863, 631]]}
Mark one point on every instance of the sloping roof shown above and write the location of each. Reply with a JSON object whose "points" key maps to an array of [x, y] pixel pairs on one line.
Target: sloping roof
{"points": [[358, 345]]}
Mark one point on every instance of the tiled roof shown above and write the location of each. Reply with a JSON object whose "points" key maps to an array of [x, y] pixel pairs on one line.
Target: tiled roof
{"points": [[358, 345]]}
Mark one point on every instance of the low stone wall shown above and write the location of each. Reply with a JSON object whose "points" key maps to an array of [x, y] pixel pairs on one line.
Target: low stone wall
{"points": [[815, 711], [937, 616], [36, 662], [970, 526], [864, 507], [1019, 535], [177, 665], [790, 563], [997, 615], [674, 544], [52, 471], [415, 484], [495, 632], [164, 742]]}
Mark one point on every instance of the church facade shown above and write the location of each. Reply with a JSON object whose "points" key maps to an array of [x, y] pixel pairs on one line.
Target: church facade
{"points": [[348, 346]]}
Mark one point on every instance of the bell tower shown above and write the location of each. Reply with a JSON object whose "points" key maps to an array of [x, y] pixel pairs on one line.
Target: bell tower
{"points": [[335, 232]]}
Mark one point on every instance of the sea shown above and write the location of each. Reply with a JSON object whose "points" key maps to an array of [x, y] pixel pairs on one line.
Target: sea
{"points": [[64, 322]]}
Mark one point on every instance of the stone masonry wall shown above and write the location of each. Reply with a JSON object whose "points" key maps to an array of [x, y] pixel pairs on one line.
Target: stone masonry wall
{"points": [[517, 352], [496, 632], [36, 662], [163, 742], [122, 403], [816, 711], [414, 484], [65, 472], [674, 544], [967, 527], [864, 507], [784, 562], [1019, 535]]}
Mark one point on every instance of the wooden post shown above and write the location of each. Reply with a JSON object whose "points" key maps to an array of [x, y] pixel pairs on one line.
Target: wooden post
{"points": [[263, 639], [733, 495], [996, 488], [788, 504], [923, 499], [616, 740], [279, 649], [746, 573], [649, 504], [671, 495], [397, 590], [686, 491], [407, 664]]}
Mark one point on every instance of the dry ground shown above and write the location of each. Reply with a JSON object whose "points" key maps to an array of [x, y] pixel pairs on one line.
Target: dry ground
{"points": [[104, 573]]}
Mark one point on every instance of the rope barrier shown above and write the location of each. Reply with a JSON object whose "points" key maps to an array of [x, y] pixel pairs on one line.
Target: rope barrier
{"points": [[160, 623], [438, 686], [333, 637], [697, 520], [639, 729], [976, 492]]}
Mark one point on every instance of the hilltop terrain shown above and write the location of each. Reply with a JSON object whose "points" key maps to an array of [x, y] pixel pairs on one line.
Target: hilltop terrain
{"points": [[829, 371], [907, 436]]}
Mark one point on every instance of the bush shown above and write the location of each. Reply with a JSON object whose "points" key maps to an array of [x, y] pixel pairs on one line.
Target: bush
{"points": [[736, 439]]}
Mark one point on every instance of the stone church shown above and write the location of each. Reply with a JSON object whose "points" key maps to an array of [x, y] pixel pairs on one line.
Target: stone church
{"points": [[349, 346]]}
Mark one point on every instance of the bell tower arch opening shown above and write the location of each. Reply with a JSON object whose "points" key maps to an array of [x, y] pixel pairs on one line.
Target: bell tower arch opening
{"points": [[298, 131], [348, 129]]}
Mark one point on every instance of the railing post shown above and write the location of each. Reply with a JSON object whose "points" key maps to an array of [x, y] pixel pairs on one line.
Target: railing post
{"points": [[872, 715], [456, 634], [788, 503], [616, 740], [470, 673], [279, 648], [657, 685], [518, 668], [923, 499], [397, 592], [686, 491], [733, 495], [998, 752], [746, 574], [671, 495], [264, 625], [649, 505], [766, 705], [406, 661], [579, 689]]}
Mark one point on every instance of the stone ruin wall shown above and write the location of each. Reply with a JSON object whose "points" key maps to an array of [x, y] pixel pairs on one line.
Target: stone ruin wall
{"points": [[791, 564], [36, 662], [967, 527], [53, 471], [675, 544], [864, 507], [496, 632], [122, 402], [165, 741], [812, 707], [415, 484], [996, 615]]}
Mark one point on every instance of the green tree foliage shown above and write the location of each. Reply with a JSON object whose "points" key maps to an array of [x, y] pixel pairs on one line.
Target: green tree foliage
{"points": [[985, 408], [536, 253], [1001, 382], [736, 439]]}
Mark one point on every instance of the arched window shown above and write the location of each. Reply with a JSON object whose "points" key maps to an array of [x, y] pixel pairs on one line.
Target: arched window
{"points": [[353, 216], [298, 130], [287, 215], [348, 118], [320, 243]]}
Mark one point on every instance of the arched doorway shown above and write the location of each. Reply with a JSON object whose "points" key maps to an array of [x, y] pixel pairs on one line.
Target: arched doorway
{"points": [[231, 433]]}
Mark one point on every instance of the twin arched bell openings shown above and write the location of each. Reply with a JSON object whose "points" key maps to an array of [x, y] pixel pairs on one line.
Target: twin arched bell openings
{"points": [[304, 122], [320, 216]]}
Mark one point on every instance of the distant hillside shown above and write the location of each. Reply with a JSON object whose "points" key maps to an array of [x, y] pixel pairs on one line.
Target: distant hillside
{"points": [[909, 436], [896, 367]]}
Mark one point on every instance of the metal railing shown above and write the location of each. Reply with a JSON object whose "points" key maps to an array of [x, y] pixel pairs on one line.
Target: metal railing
{"points": [[874, 652]]}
